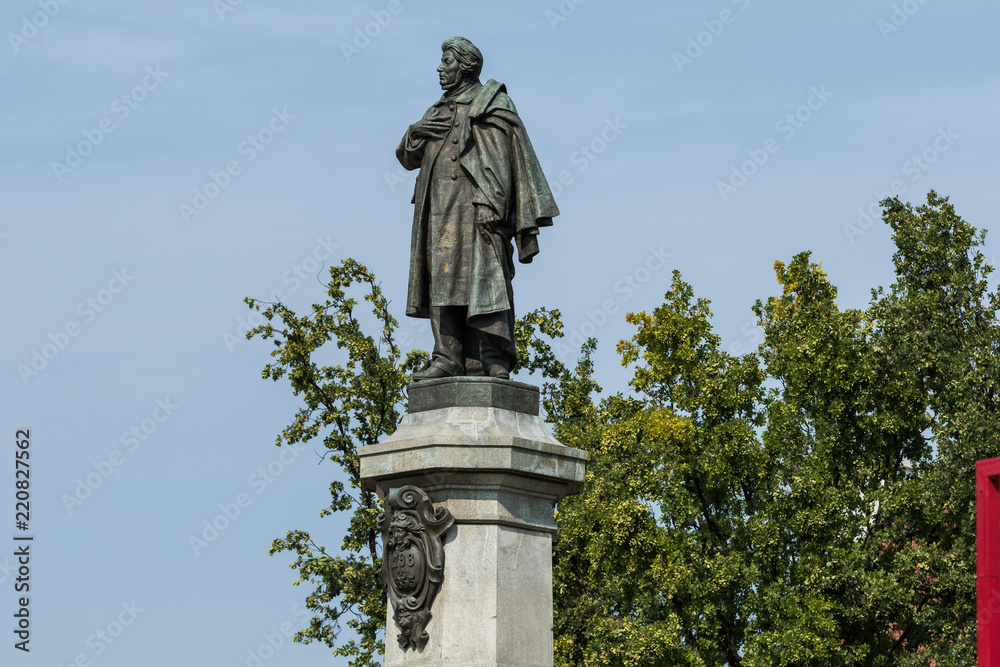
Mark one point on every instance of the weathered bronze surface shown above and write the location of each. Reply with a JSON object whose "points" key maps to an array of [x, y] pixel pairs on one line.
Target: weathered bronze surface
{"points": [[412, 560], [480, 192]]}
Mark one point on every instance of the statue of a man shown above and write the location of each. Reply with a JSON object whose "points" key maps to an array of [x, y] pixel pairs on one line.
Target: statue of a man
{"points": [[480, 192]]}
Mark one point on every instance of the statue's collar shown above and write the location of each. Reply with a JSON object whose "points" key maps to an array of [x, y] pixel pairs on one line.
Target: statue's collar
{"points": [[463, 94]]}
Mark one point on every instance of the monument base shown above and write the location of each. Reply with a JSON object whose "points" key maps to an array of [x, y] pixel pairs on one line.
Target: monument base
{"points": [[478, 448]]}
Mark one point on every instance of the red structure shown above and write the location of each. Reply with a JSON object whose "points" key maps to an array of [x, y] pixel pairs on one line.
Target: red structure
{"points": [[988, 560]]}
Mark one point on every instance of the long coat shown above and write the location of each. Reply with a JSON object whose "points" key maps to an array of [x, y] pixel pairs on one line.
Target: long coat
{"points": [[498, 160]]}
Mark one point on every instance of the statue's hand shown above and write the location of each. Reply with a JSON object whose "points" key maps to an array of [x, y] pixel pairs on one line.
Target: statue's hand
{"points": [[430, 128], [486, 222]]}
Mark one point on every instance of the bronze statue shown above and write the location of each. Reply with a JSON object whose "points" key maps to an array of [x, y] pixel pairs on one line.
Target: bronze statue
{"points": [[480, 192]]}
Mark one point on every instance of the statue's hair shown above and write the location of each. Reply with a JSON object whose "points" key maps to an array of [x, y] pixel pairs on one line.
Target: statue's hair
{"points": [[470, 59]]}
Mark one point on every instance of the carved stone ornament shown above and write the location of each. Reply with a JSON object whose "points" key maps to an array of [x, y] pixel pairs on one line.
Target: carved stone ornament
{"points": [[412, 560]]}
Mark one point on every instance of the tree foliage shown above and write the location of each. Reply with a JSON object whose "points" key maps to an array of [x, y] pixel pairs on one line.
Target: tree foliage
{"points": [[345, 406], [809, 503]]}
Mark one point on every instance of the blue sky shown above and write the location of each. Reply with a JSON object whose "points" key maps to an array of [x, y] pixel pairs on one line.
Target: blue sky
{"points": [[713, 138]]}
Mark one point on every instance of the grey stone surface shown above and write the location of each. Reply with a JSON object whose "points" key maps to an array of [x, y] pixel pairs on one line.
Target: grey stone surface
{"points": [[500, 473], [495, 604], [445, 435], [473, 392]]}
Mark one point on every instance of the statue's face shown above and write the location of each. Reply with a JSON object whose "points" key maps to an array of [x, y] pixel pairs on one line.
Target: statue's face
{"points": [[449, 71]]}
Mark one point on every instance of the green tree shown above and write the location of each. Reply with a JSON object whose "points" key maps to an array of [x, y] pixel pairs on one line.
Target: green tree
{"points": [[809, 503], [345, 406], [939, 322]]}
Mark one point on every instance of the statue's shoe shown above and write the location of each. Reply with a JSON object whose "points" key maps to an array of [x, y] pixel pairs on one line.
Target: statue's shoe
{"points": [[432, 372], [498, 371]]}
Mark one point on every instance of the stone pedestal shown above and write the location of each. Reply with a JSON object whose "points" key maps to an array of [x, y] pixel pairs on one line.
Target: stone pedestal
{"points": [[477, 447]]}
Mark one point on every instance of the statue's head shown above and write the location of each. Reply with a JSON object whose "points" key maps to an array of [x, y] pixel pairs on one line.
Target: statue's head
{"points": [[460, 61]]}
